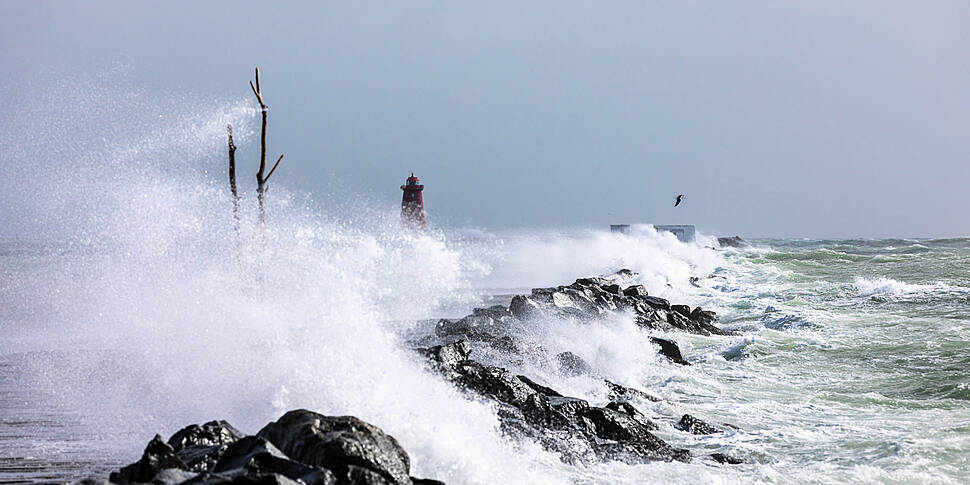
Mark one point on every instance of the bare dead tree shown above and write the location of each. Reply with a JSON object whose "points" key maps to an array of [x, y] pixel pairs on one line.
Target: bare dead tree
{"points": [[262, 179], [232, 180]]}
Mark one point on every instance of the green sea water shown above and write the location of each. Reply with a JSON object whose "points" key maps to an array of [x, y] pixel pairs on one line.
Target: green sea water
{"points": [[855, 365], [850, 364]]}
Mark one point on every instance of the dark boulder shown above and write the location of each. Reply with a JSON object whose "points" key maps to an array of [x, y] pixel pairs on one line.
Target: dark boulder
{"points": [[475, 326], [496, 312], [681, 309], [619, 393], [657, 302], [239, 477], [670, 350], [158, 455], [495, 382], [572, 364], [612, 288], [350, 448], [173, 476], [592, 281], [702, 316], [629, 410], [213, 433], [425, 481], [524, 308], [505, 344], [538, 387], [200, 446], [618, 426], [635, 453], [654, 319], [450, 355], [255, 455], [732, 242], [680, 322], [695, 426], [635, 291], [726, 459], [554, 413]]}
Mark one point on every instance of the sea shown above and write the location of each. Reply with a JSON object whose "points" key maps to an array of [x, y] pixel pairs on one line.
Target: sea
{"points": [[850, 365], [133, 303]]}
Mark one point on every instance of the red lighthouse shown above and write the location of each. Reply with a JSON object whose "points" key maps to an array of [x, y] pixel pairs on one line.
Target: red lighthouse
{"points": [[412, 205]]}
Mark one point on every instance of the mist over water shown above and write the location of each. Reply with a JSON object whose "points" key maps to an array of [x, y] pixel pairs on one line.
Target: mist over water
{"points": [[131, 306]]}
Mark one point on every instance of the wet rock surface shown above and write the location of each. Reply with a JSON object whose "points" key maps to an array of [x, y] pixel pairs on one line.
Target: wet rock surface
{"points": [[670, 350], [695, 426], [308, 448], [732, 242], [585, 299], [201, 446], [158, 456], [568, 425], [726, 459], [302, 447], [578, 430]]}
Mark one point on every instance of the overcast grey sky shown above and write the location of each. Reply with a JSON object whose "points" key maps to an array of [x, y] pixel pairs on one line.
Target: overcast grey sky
{"points": [[775, 118]]}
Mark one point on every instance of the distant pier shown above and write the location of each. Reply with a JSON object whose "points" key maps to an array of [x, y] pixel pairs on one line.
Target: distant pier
{"points": [[684, 232]]}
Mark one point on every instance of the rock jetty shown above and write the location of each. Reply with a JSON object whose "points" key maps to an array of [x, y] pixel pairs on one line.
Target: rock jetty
{"points": [[308, 448], [302, 447]]}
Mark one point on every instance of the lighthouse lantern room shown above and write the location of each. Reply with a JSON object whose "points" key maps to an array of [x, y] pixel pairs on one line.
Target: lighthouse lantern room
{"points": [[412, 204]]}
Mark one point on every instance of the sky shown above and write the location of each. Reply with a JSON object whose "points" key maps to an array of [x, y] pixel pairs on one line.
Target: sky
{"points": [[795, 119]]}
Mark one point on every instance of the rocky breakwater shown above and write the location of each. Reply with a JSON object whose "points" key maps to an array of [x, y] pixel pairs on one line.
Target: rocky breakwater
{"points": [[586, 299], [572, 427], [302, 447]]}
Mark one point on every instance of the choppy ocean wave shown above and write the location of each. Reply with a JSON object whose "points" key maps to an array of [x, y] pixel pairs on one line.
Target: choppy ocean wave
{"points": [[136, 308]]}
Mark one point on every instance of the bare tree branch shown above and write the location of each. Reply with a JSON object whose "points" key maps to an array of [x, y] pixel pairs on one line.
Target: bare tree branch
{"points": [[232, 179], [277, 164], [261, 179]]}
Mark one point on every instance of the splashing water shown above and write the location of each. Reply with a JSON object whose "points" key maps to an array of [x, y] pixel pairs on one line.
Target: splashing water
{"points": [[134, 308]]}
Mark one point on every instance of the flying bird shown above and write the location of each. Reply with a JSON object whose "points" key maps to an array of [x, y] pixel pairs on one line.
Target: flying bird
{"points": [[679, 198]]}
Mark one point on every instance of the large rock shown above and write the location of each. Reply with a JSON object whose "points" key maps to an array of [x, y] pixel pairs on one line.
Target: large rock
{"points": [[732, 242], [158, 456], [726, 459], [256, 455], [635, 291], [681, 309], [619, 393], [240, 477], [657, 302], [565, 425], [695, 426], [201, 446], [213, 433], [450, 355], [173, 476], [345, 445], [584, 299], [670, 350], [617, 426], [702, 317], [524, 308], [629, 410], [573, 365], [494, 382], [635, 453], [538, 387]]}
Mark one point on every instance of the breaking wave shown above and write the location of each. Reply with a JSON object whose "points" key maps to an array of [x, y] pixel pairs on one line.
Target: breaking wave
{"points": [[889, 287]]}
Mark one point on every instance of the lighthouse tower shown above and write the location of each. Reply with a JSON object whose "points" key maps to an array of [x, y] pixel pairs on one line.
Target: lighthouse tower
{"points": [[412, 205]]}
